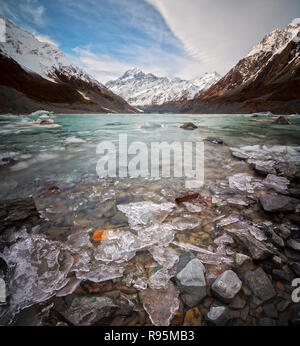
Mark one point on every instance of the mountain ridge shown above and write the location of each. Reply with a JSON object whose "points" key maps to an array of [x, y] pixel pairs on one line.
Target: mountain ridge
{"points": [[266, 79], [40, 74], [144, 89]]}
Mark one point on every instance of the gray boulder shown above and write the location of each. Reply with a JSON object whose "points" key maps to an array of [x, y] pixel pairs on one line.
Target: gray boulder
{"points": [[283, 120], [227, 286], [293, 244], [256, 248], [260, 284], [188, 126], [190, 279], [218, 315], [274, 182], [214, 140], [278, 203], [281, 275], [295, 266], [241, 259]]}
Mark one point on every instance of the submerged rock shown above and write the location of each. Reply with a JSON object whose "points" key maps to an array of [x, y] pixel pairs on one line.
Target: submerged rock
{"points": [[295, 266], [279, 184], [188, 126], [293, 244], [256, 248], [193, 318], [244, 182], [263, 167], [241, 259], [190, 279], [214, 140], [227, 286], [218, 315], [282, 120], [260, 284], [87, 310], [278, 203], [18, 213]]}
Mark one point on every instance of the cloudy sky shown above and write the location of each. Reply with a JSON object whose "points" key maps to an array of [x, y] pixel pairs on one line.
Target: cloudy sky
{"points": [[183, 38]]}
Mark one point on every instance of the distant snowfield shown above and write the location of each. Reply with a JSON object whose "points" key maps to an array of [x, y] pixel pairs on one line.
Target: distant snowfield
{"points": [[140, 89]]}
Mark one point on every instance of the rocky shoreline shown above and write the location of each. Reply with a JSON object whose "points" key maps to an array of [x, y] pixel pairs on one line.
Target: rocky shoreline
{"points": [[234, 266]]}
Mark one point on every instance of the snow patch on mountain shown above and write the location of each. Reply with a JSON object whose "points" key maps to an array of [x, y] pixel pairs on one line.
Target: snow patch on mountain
{"points": [[42, 58], [141, 89]]}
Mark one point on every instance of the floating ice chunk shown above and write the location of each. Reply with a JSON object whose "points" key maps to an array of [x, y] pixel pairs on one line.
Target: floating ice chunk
{"points": [[40, 112], [160, 279], [215, 258], [38, 272], [101, 272], [20, 166], [161, 305], [185, 222], [190, 247], [117, 247], [257, 233], [74, 140], [140, 285], [238, 201], [192, 208], [205, 256], [224, 239], [156, 235], [69, 288], [165, 256], [145, 213], [231, 219], [244, 182], [80, 239]]}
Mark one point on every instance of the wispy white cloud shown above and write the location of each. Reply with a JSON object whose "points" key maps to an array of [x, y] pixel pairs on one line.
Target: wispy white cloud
{"points": [[100, 66], [33, 9], [46, 39], [28, 11], [104, 67], [218, 33]]}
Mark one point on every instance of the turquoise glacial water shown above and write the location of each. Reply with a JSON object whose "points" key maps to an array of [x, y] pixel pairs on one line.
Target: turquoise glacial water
{"points": [[67, 152]]}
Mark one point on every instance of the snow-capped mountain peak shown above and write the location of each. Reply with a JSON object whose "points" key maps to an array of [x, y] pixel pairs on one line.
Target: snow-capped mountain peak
{"points": [[42, 76], [265, 79], [38, 57], [276, 40], [141, 89]]}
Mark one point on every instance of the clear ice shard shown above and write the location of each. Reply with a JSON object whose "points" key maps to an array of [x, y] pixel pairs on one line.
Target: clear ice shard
{"points": [[146, 213], [244, 182], [192, 208], [185, 222], [165, 256], [161, 305], [205, 256], [38, 272], [100, 272]]}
